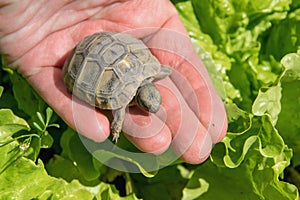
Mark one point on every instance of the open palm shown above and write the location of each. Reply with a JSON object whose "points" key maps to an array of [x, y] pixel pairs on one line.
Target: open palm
{"points": [[36, 37]]}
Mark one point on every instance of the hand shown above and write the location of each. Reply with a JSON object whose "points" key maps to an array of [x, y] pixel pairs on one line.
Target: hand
{"points": [[36, 37]]}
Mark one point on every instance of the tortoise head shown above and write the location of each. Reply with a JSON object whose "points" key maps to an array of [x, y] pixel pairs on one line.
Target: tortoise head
{"points": [[148, 98]]}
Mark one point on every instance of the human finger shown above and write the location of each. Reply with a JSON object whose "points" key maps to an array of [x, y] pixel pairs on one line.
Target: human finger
{"points": [[146, 131], [175, 49], [206, 103], [77, 114], [191, 141]]}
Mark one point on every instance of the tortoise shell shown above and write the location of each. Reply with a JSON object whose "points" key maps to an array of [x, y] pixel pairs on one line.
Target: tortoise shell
{"points": [[106, 69]]}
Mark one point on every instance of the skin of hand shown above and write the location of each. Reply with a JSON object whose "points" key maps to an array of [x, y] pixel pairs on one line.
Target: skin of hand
{"points": [[36, 36]]}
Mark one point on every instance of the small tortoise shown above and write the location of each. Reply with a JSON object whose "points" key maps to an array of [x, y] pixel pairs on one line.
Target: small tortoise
{"points": [[112, 70]]}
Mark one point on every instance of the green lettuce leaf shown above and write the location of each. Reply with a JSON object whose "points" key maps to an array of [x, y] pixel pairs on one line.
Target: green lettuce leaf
{"points": [[268, 101], [88, 161], [253, 179], [168, 183], [283, 37], [215, 61], [236, 24], [24, 179], [77, 159], [10, 124], [33, 182], [241, 30], [241, 43], [289, 117], [280, 103], [246, 163], [27, 99], [1, 90]]}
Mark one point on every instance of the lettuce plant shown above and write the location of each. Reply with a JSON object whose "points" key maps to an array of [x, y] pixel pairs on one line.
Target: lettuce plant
{"points": [[251, 50]]}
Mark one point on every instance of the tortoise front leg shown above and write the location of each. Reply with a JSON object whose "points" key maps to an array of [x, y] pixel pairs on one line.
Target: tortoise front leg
{"points": [[116, 125]]}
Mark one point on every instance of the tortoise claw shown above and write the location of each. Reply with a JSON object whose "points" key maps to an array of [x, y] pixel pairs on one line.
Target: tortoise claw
{"points": [[115, 130], [116, 125], [115, 136]]}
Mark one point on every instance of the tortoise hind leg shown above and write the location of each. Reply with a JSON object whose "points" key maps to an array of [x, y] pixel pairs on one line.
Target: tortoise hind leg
{"points": [[165, 71], [116, 125]]}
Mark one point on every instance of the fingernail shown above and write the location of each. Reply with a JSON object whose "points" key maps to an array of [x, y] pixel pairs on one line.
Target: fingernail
{"points": [[100, 135], [206, 148]]}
